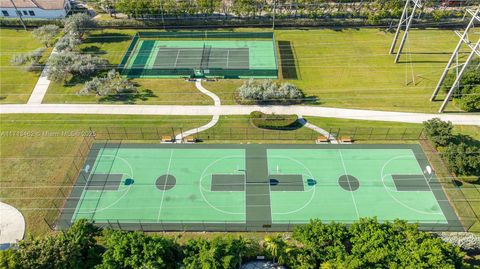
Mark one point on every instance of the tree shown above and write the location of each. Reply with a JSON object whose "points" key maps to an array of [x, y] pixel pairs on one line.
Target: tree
{"points": [[462, 159], [470, 100], [113, 83], [78, 24], [368, 243], [321, 242], [65, 64], [138, 250], [67, 42], [224, 253], [75, 248], [277, 248], [438, 131], [46, 33]]}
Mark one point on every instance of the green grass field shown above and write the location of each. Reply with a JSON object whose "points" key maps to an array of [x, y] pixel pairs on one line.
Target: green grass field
{"points": [[16, 84], [348, 68]]}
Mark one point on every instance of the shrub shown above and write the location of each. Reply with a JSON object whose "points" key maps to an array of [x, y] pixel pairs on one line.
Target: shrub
{"points": [[67, 42], [18, 59], [267, 91], [46, 33], [462, 159], [65, 64], [78, 24], [470, 100], [273, 121], [30, 59], [113, 83], [438, 131]]}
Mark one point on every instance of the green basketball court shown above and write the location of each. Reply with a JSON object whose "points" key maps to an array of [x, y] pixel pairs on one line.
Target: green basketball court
{"points": [[255, 187]]}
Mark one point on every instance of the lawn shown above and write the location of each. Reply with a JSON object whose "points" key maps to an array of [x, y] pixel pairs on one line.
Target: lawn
{"points": [[16, 84], [36, 152], [348, 68]]}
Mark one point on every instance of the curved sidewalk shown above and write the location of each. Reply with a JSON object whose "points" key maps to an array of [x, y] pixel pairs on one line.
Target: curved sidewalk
{"points": [[215, 118], [327, 112]]}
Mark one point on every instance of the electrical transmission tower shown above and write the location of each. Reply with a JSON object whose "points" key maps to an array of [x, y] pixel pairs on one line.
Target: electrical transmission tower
{"points": [[475, 50], [406, 19]]}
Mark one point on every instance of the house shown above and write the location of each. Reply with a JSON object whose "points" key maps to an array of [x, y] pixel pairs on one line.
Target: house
{"points": [[41, 9]]}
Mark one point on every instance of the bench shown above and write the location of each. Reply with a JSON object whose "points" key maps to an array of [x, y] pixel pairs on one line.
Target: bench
{"points": [[346, 139], [189, 139], [322, 140], [167, 139]]}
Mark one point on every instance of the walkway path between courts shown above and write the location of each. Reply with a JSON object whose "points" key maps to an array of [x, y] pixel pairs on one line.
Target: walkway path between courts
{"points": [[215, 118], [306, 111], [317, 129]]}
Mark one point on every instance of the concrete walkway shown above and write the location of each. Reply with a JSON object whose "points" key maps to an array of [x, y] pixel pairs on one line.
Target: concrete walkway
{"points": [[215, 118], [41, 87], [317, 129], [311, 111], [12, 224]]}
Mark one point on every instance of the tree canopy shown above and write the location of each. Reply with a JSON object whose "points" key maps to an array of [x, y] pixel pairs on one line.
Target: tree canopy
{"points": [[268, 91], [438, 131], [65, 64], [46, 33], [78, 24], [366, 243]]}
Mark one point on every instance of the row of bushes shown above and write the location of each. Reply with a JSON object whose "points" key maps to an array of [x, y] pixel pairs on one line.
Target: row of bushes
{"points": [[373, 19], [268, 92], [460, 153], [366, 243]]}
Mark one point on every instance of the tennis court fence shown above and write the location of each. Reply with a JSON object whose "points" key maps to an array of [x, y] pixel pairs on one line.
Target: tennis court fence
{"points": [[250, 133], [64, 196], [154, 225]]}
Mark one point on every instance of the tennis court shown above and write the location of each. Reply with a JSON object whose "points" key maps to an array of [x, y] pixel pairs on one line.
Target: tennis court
{"points": [[199, 57], [255, 187]]}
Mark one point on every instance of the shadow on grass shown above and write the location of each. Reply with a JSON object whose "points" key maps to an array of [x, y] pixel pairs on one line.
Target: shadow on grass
{"points": [[287, 60], [107, 38], [470, 141], [128, 97], [93, 50]]}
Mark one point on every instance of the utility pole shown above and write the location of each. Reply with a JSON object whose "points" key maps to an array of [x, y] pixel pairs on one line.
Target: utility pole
{"points": [[19, 14], [463, 40], [406, 18], [475, 50]]}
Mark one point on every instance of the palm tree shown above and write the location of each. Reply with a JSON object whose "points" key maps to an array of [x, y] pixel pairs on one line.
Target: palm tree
{"points": [[276, 247]]}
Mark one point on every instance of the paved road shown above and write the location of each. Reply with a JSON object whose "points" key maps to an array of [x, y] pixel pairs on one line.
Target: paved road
{"points": [[357, 114]]}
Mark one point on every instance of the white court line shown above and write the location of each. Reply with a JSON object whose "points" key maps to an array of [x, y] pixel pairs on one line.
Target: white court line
{"points": [[125, 191], [382, 176], [228, 56], [165, 184], [348, 180], [92, 171], [314, 187], [176, 59]]}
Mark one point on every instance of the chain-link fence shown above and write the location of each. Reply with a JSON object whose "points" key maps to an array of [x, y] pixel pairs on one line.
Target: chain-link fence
{"points": [[239, 133], [458, 196]]}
